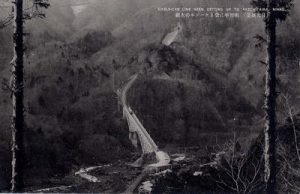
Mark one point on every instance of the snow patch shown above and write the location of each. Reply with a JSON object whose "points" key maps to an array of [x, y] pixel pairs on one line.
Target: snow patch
{"points": [[163, 159], [51, 189], [83, 173], [163, 172], [200, 173], [146, 187], [179, 159]]}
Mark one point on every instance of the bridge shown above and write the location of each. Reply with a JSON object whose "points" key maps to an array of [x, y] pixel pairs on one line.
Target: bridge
{"points": [[137, 130]]}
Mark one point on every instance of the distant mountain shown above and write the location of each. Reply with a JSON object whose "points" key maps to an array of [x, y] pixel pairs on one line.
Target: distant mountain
{"points": [[208, 80], [191, 99]]}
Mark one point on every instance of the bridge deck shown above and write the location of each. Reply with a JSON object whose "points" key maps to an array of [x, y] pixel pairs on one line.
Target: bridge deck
{"points": [[147, 143]]}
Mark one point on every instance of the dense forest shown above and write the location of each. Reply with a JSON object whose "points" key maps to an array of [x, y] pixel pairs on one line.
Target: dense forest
{"points": [[200, 92]]}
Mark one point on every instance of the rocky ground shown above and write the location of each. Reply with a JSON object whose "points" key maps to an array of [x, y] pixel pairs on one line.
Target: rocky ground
{"points": [[119, 176]]}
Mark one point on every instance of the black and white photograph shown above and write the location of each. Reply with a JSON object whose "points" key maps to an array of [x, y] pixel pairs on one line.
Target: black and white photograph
{"points": [[150, 96]]}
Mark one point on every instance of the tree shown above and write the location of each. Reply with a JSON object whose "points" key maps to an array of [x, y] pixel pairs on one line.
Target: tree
{"points": [[17, 86], [272, 9], [238, 172], [17, 100]]}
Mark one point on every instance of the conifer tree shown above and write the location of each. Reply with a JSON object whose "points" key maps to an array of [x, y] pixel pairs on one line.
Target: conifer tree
{"points": [[274, 11], [17, 85]]}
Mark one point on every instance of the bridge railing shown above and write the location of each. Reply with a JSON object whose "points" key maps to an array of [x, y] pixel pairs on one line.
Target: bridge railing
{"points": [[148, 145]]}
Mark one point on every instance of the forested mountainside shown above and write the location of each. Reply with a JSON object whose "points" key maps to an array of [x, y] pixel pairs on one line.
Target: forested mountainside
{"points": [[74, 64]]}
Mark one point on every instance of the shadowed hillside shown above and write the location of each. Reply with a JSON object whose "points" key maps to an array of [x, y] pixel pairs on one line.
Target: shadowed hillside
{"points": [[208, 82]]}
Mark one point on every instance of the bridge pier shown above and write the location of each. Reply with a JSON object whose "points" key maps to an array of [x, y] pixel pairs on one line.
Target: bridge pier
{"points": [[133, 137], [138, 135]]}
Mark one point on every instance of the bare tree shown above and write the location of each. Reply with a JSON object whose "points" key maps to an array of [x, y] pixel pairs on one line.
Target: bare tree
{"points": [[239, 173], [289, 171], [30, 12], [290, 112], [272, 16]]}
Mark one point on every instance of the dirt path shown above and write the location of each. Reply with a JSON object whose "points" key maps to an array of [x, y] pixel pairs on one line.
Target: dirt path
{"points": [[133, 186]]}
